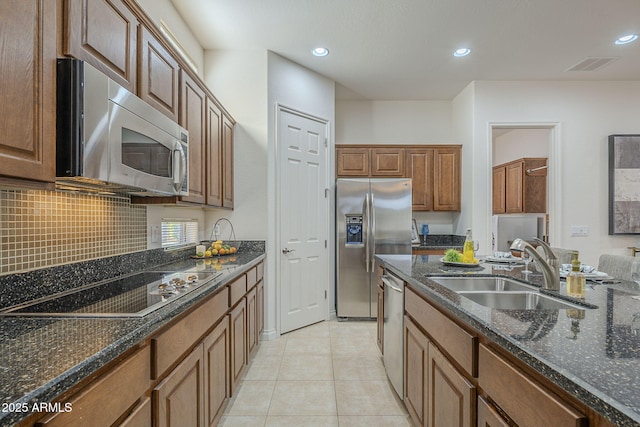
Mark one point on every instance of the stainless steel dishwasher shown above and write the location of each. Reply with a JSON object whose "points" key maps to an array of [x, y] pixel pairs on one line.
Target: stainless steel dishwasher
{"points": [[393, 338]]}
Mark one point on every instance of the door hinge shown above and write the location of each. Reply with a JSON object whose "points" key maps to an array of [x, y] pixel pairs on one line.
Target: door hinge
{"points": [[325, 294], [326, 193], [325, 142], [325, 243]]}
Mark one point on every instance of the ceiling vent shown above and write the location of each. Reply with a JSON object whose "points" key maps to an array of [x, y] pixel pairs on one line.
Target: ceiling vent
{"points": [[592, 63]]}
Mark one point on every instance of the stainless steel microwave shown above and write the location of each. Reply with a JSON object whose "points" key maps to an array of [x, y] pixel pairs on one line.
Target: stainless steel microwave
{"points": [[109, 139]]}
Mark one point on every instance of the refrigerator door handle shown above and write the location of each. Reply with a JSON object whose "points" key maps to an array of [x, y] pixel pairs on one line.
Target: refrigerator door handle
{"points": [[366, 230], [372, 212]]}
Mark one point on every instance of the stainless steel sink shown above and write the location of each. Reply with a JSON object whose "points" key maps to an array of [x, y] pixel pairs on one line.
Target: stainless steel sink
{"points": [[461, 284], [518, 300]]}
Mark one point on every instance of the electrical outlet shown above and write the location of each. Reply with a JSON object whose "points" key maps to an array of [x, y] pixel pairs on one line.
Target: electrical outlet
{"points": [[155, 234], [579, 231]]}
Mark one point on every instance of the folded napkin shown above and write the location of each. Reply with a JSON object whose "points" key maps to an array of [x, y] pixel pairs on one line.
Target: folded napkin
{"points": [[502, 255], [583, 268]]}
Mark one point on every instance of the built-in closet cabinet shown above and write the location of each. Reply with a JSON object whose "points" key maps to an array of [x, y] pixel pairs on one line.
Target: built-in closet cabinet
{"points": [[520, 186]]}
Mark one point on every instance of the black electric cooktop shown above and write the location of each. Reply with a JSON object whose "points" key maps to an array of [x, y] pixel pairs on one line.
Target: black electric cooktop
{"points": [[131, 296]]}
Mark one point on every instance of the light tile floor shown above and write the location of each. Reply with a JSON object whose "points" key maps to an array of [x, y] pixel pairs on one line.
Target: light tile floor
{"points": [[327, 374]]}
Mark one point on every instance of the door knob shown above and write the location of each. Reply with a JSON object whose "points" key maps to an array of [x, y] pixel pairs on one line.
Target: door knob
{"points": [[286, 251]]}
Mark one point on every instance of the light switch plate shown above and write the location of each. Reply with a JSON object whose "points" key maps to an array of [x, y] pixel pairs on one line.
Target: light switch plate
{"points": [[579, 231]]}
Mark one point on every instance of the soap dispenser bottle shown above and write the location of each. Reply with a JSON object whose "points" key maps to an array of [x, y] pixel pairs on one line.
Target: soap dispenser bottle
{"points": [[468, 255], [576, 282]]}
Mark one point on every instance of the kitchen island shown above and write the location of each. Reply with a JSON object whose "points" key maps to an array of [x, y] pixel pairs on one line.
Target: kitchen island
{"points": [[44, 360], [593, 355]]}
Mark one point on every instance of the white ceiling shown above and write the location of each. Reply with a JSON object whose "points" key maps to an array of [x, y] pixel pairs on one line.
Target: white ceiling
{"points": [[402, 49]]}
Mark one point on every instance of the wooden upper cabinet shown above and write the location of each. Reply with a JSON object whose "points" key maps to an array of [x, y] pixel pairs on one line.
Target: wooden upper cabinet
{"points": [[352, 161], [446, 179], [193, 111], [27, 91], [499, 190], [520, 186], [159, 74], [227, 159], [104, 34], [214, 154], [387, 162], [419, 167]]}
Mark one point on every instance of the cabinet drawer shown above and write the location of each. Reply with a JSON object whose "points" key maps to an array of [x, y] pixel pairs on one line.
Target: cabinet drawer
{"points": [[252, 278], [237, 289], [499, 379], [458, 343], [260, 270], [175, 341], [110, 396]]}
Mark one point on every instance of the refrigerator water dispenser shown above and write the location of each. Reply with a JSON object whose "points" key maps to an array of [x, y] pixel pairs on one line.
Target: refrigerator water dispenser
{"points": [[354, 229]]}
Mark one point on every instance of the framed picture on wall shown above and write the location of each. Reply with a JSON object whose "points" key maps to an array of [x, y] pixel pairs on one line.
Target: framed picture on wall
{"points": [[624, 184]]}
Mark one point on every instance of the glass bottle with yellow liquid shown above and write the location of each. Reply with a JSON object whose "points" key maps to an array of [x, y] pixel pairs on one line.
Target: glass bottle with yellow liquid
{"points": [[468, 253], [576, 282]]}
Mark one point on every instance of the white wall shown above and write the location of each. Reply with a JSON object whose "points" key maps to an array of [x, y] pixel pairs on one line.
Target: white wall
{"points": [[463, 116], [514, 144], [585, 113]]}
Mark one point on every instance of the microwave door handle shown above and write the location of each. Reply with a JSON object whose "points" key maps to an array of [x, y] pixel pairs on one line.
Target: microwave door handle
{"points": [[179, 167]]}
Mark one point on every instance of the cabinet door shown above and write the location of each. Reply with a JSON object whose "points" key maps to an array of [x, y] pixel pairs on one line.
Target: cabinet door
{"points": [[252, 321], [214, 154], [260, 288], [499, 190], [159, 74], [103, 33], [352, 162], [387, 162], [193, 113], [416, 374], [488, 416], [179, 398], [27, 90], [227, 162], [217, 360], [419, 167], [140, 416], [238, 334], [446, 179], [452, 398], [513, 187]]}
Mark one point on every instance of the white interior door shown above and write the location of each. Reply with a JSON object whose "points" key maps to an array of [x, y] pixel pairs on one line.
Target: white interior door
{"points": [[303, 209]]}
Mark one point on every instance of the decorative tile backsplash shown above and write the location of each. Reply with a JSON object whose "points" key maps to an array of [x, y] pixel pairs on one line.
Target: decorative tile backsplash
{"points": [[45, 228]]}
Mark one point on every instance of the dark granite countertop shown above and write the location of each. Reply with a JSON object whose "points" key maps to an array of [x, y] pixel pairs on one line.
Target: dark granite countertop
{"points": [[40, 358], [599, 364]]}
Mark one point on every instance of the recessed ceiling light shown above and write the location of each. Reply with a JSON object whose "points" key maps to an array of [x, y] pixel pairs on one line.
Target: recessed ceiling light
{"points": [[627, 39], [320, 51], [461, 52]]}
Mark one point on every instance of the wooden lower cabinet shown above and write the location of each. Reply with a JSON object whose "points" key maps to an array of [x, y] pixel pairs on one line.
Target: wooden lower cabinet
{"points": [[260, 290], [416, 374], [217, 361], [452, 398], [179, 398], [488, 416], [238, 334], [252, 321], [533, 405], [109, 397]]}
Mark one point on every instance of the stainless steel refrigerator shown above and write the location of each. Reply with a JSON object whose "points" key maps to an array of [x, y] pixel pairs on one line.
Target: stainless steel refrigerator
{"points": [[373, 216]]}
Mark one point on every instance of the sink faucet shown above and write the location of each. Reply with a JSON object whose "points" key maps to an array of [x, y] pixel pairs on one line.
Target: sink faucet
{"points": [[549, 266]]}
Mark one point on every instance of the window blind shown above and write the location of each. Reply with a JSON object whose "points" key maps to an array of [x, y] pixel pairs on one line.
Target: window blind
{"points": [[179, 232]]}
